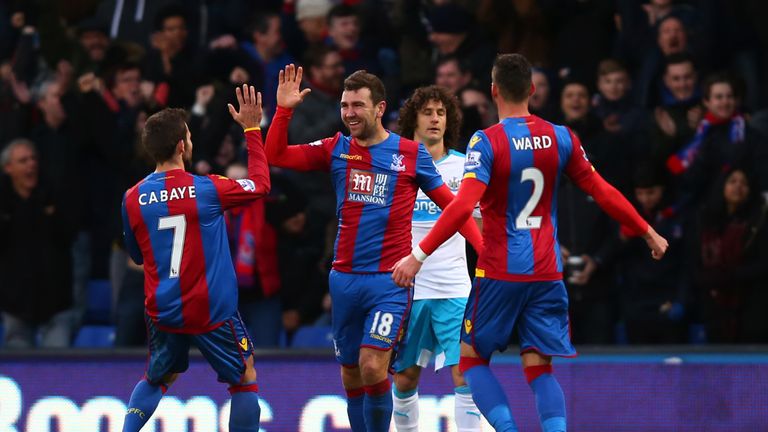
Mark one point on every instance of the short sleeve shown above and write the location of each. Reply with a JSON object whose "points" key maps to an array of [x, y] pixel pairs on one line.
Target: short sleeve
{"points": [[479, 159], [427, 176]]}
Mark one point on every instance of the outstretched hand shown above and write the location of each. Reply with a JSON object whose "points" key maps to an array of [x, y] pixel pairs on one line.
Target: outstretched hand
{"points": [[249, 100], [289, 94]]}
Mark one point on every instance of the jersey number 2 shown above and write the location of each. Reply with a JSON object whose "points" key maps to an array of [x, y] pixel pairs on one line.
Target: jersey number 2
{"points": [[178, 223], [524, 220]]}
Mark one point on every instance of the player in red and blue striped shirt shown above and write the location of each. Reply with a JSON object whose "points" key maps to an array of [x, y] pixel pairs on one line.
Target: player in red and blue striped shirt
{"points": [[376, 174], [513, 168], [174, 225]]}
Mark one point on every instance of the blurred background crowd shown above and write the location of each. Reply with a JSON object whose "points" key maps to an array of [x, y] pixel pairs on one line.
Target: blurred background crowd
{"points": [[669, 99]]}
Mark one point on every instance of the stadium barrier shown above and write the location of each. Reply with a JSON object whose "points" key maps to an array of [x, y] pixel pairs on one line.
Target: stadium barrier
{"points": [[618, 389]]}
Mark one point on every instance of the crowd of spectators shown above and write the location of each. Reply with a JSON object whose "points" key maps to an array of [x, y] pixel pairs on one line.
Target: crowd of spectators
{"points": [[665, 96]]}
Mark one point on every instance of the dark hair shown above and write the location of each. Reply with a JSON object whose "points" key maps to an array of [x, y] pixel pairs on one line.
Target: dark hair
{"points": [[648, 174], [678, 58], [162, 133], [460, 62], [717, 78], [420, 97], [110, 74], [315, 55], [260, 23], [341, 11], [609, 66], [363, 79], [714, 213], [172, 10], [512, 75]]}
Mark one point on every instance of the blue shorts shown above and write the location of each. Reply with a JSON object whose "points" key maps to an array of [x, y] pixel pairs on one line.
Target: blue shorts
{"points": [[434, 327], [540, 310], [226, 348], [367, 310]]}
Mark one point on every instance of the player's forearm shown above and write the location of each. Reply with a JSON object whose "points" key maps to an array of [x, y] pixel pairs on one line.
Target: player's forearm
{"points": [[617, 207], [455, 216], [277, 136], [258, 168], [277, 149], [472, 234]]}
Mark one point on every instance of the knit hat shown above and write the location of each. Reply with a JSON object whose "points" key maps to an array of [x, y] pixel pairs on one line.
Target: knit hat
{"points": [[312, 8], [449, 18]]}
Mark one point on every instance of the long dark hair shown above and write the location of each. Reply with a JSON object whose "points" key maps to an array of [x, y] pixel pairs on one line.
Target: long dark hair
{"points": [[714, 214]]}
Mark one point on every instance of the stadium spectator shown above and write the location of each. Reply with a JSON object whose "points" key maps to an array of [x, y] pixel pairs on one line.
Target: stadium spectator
{"points": [[172, 63], [318, 115], [344, 36], [655, 295], [729, 255], [452, 74], [451, 32], [311, 15], [540, 103], [613, 104], [106, 122], [679, 112], [35, 254], [266, 49], [300, 251], [576, 113], [723, 139], [477, 111], [672, 39], [253, 246]]}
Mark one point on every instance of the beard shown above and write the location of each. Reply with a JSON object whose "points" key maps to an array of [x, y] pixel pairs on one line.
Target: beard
{"points": [[187, 156], [365, 129]]}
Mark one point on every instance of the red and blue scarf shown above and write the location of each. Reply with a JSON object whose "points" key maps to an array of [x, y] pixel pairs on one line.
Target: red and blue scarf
{"points": [[679, 162]]}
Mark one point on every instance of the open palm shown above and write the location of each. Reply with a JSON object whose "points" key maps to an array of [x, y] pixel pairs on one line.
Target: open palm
{"points": [[289, 93]]}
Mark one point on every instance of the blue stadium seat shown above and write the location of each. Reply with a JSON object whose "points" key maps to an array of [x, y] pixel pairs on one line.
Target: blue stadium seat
{"points": [[99, 302], [313, 337], [92, 336]]}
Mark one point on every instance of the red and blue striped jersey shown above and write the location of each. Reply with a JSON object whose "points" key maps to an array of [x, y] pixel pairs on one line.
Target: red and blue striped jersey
{"points": [[174, 224], [376, 190], [521, 160]]}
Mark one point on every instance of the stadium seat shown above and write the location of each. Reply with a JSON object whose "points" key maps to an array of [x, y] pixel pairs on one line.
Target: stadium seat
{"points": [[99, 302], [313, 337], [92, 336]]}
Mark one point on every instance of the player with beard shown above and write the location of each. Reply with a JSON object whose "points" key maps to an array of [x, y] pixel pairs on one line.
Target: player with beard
{"points": [[174, 224], [376, 174]]}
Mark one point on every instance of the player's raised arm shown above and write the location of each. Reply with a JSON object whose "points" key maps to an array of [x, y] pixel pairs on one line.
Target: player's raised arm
{"points": [[236, 192], [583, 174], [305, 157]]}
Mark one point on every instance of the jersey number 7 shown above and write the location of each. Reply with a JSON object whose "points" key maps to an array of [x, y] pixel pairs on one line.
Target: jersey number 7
{"points": [[178, 223]]}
